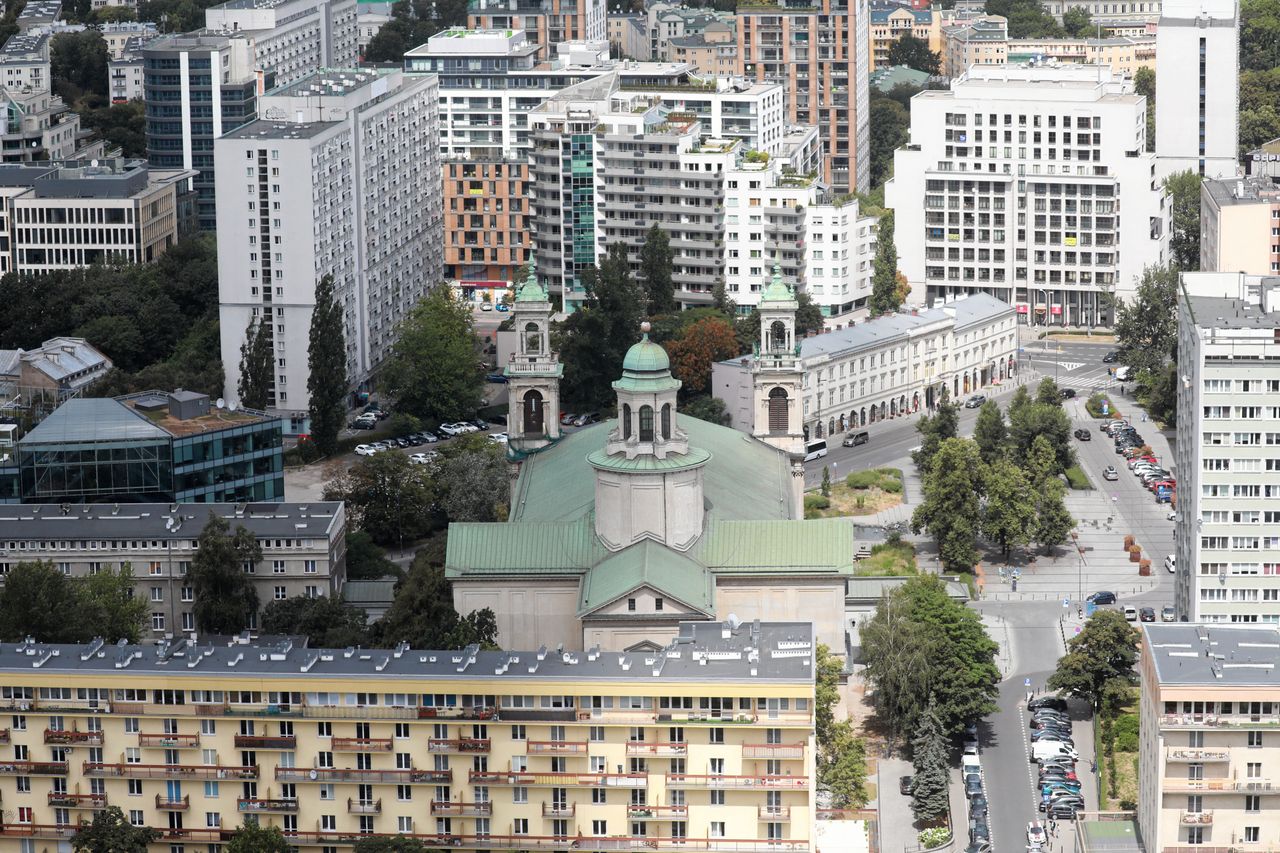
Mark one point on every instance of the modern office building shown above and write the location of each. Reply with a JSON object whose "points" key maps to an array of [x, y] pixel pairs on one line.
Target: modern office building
{"points": [[1228, 448], [303, 549], [547, 23], [1198, 87], [76, 214], [819, 53], [888, 367], [291, 38], [340, 177], [1239, 222], [1208, 737], [187, 108], [148, 447], [891, 20], [706, 743], [1014, 183]]}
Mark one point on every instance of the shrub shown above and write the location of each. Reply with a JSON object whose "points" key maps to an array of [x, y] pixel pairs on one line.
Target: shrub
{"points": [[816, 502], [893, 487], [934, 836], [1126, 733], [1128, 805], [1077, 478], [862, 479]]}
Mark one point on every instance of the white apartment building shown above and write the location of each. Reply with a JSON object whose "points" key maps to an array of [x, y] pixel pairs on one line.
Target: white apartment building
{"points": [[292, 38], [1013, 183], [341, 177], [1228, 448], [888, 367], [125, 72], [118, 35], [1198, 87]]}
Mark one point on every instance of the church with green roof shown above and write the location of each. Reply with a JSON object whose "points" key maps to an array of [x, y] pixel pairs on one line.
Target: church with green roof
{"points": [[623, 529]]}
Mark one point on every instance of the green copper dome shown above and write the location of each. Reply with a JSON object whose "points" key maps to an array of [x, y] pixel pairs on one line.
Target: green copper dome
{"points": [[777, 290], [646, 357], [646, 368], [531, 291]]}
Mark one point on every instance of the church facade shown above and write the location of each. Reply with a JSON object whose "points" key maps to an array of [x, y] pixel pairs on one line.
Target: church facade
{"points": [[620, 531]]}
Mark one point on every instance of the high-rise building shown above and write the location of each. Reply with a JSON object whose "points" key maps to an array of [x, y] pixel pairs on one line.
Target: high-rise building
{"points": [[188, 106], [819, 52], [340, 177], [291, 38], [1198, 87], [1228, 448], [548, 22], [1014, 183], [1238, 222]]}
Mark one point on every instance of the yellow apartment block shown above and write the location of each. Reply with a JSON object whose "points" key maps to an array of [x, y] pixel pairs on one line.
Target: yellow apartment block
{"points": [[704, 746]]}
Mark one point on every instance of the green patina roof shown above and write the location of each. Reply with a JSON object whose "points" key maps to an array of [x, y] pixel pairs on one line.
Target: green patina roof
{"points": [[650, 564], [531, 291], [777, 290], [675, 462], [645, 357]]}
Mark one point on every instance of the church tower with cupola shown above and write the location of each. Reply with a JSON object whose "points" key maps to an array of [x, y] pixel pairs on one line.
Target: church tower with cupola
{"points": [[778, 381], [533, 373], [649, 481]]}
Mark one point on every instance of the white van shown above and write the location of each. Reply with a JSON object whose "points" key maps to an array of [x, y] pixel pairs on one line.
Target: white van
{"points": [[970, 761], [1124, 374], [1045, 749], [815, 449]]}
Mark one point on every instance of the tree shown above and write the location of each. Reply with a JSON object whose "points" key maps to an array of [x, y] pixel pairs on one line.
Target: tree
{"points": [[252, 838], [328, 621], [327, 366], [593, 340], [890, 124], [1077, 22], [884, 278], [705, 408], [1259, 35], [826, 481], [257, 366], [39, 601], [827, 670], [930, 784], [701, 345], [809, 316], [366, 560], [1047, 393], [389, 844], [952, 506], [110, 832], [1027, 18], [913, 52], [655, 271], [935, 429], [1144, 84], [1010, 513], [225, 597], [1147, 325], [433, 370], [1162, 395], [720, 300], [1104, 650], [78, 64], [109, 608], [1052, 521], [990, 432], [1184, 237], [123, 125], [387, 497], [422, 614], [472, 480], [1033, 420], [842, 756]]}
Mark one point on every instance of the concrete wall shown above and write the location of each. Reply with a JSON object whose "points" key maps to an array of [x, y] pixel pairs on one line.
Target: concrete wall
{"points": [[530, 612]]}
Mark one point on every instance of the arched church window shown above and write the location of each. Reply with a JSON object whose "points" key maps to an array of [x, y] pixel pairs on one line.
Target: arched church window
{"points": [[532, 338], [533, 413], [646, 423], [778, 410], [666, 421], [777, 336], [626, 421]]}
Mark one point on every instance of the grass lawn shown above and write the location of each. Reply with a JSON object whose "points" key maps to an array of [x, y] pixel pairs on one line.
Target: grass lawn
{"points": [[861, 493], [1078, 478], [888, 560]]}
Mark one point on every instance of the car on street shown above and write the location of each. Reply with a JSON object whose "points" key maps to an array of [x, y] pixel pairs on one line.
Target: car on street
{"points": [[1111, 357], [567, 418], [1168, 614], [423, 458], [503, 307], [365, 450], [853, 439], [452, 430], [1172, 515], [978, 806], [904, 786], [1065, 810], [1067, 393], [586, 419], [496, 378], [486, 307], [975, 402], [1102, 597], [973, 785], [1083, 435], [1171, 563], [1130, 613], [1110, 473]]}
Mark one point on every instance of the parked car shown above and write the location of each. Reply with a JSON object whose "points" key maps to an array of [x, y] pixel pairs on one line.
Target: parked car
{"points": [[1130, 613], [503, 307], [498, 437], [1057, 703], [973, 785], [364, 450], [1111, 357], [452, 430], [1172, 515], [1168, 614], [1171, 563], [428, 437], [977, 805], [1068, 393], [423, 458], [1083, 435], [904, 786], [1110, 473], [587, 419], [486, 306], [364, 424], [1102, 597], [567, 418], [496, 378], [975, 402]]}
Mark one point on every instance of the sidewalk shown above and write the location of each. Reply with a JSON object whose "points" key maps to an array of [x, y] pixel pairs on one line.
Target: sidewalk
{"points": [[897, 824]]}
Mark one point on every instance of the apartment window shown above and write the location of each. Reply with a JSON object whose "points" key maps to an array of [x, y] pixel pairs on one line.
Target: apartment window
{"points": [[136, 818], [1255, 738], [717, 829], [280, 594], [1252, 803], [520, 826], [1251, 834], [1195, 835], [599, 828], [157, 621], [1253, 770]]}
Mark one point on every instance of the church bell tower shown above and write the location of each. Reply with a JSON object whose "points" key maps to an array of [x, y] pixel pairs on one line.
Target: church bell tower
{"points": [[533, 373], [778, 381]]}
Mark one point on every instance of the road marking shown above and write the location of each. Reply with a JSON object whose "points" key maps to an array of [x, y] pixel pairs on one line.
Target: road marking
{"points": [[1069, 366]]}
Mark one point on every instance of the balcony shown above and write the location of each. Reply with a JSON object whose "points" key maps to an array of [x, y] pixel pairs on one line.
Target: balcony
{"points": [[558, 809], [548, 842], [170, 771], [537, 715], [773, 750], [557, 747], [77, 801], [346, 774], [558, 780], [169, 741], [1219, 786], [250, 806], [647, 812], [774, 814], [485, 713], [33, 768], [1182, 753], [61, 736], [785, 783], [39, 830], [669, 749], [361, 744], [461, 744], [1196, 818], [448, 808], [169, 804], [364, 806], [266, 742], [1210, 721], [4, 735]]}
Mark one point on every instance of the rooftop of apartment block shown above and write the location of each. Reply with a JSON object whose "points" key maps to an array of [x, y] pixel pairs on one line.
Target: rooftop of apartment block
{"points": [[330, 81], [29, 47], [40, 11], [252, 4], [159, 522], [463, 42], [704, 652], [270, 129], [1249, 189], [1248, 302], [1244, 656], [194, 40], [882, 9]]}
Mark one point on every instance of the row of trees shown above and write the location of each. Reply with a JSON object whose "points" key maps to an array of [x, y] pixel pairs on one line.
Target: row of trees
{"points": [[40, 601], [842, 754]]}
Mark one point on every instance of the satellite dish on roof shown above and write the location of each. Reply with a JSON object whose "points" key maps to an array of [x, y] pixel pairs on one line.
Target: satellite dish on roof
{"points": [[231, 408], [93, 163], [221, 403]]}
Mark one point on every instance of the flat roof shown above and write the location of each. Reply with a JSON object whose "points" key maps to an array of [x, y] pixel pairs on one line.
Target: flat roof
{"points": [[1214, 654], [163, 522], [1228, 312], [330, 81], [1250, 189], [704, 652], [217, 418], [93, 419], [263, 129]]}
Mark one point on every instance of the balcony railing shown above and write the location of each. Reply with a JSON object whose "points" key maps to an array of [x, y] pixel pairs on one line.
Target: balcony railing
{"points": [[77, 801], [549, 842], [347, 774], [1201, 721], [60, 736], [33, 768], [557, 747], [788, 783], [169, 741], [361, 744], [251, 806], [558, 809], [558, 780], [1182, 753], [266, 741], [1196, 818], [648, 812], [773, 750], [460, 744], [169, 804], [657, 750], [4, 735], [170, 771], [485, 713], [1220, 786], [774, 813], [448, 808], [364, 806]]}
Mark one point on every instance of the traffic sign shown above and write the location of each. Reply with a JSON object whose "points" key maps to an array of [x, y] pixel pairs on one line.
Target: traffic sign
{"points": [[1066, 602], [1026, 682]]}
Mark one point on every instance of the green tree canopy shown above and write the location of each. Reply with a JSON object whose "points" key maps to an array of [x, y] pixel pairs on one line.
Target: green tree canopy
{"points": [[934, 429], [1027, 18], [842, 756], [412, 23], [39, 601], [472, 480], [655, 271], [423, 615], [78, 64], [1009, 514], [1041, 420], [257, 366], [931, 782], [593, 340], [914, 52], [110, 832], [1144, 84], [710, 409], [387, 497], [253, 838], [1105, 649], [990, 432], [1259, 35], [108, 607], [1078, 22], [890, 122], [884, 277], [434, 370], [225, 597], [328, 621], [1184, 238], [952, 507], [366, 560], [1146, 326], [327, 363], [1052, 521]]}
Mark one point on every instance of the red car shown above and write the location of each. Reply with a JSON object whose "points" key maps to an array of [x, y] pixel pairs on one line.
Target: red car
{"points": [[1134, 460], [1155, 485]]}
